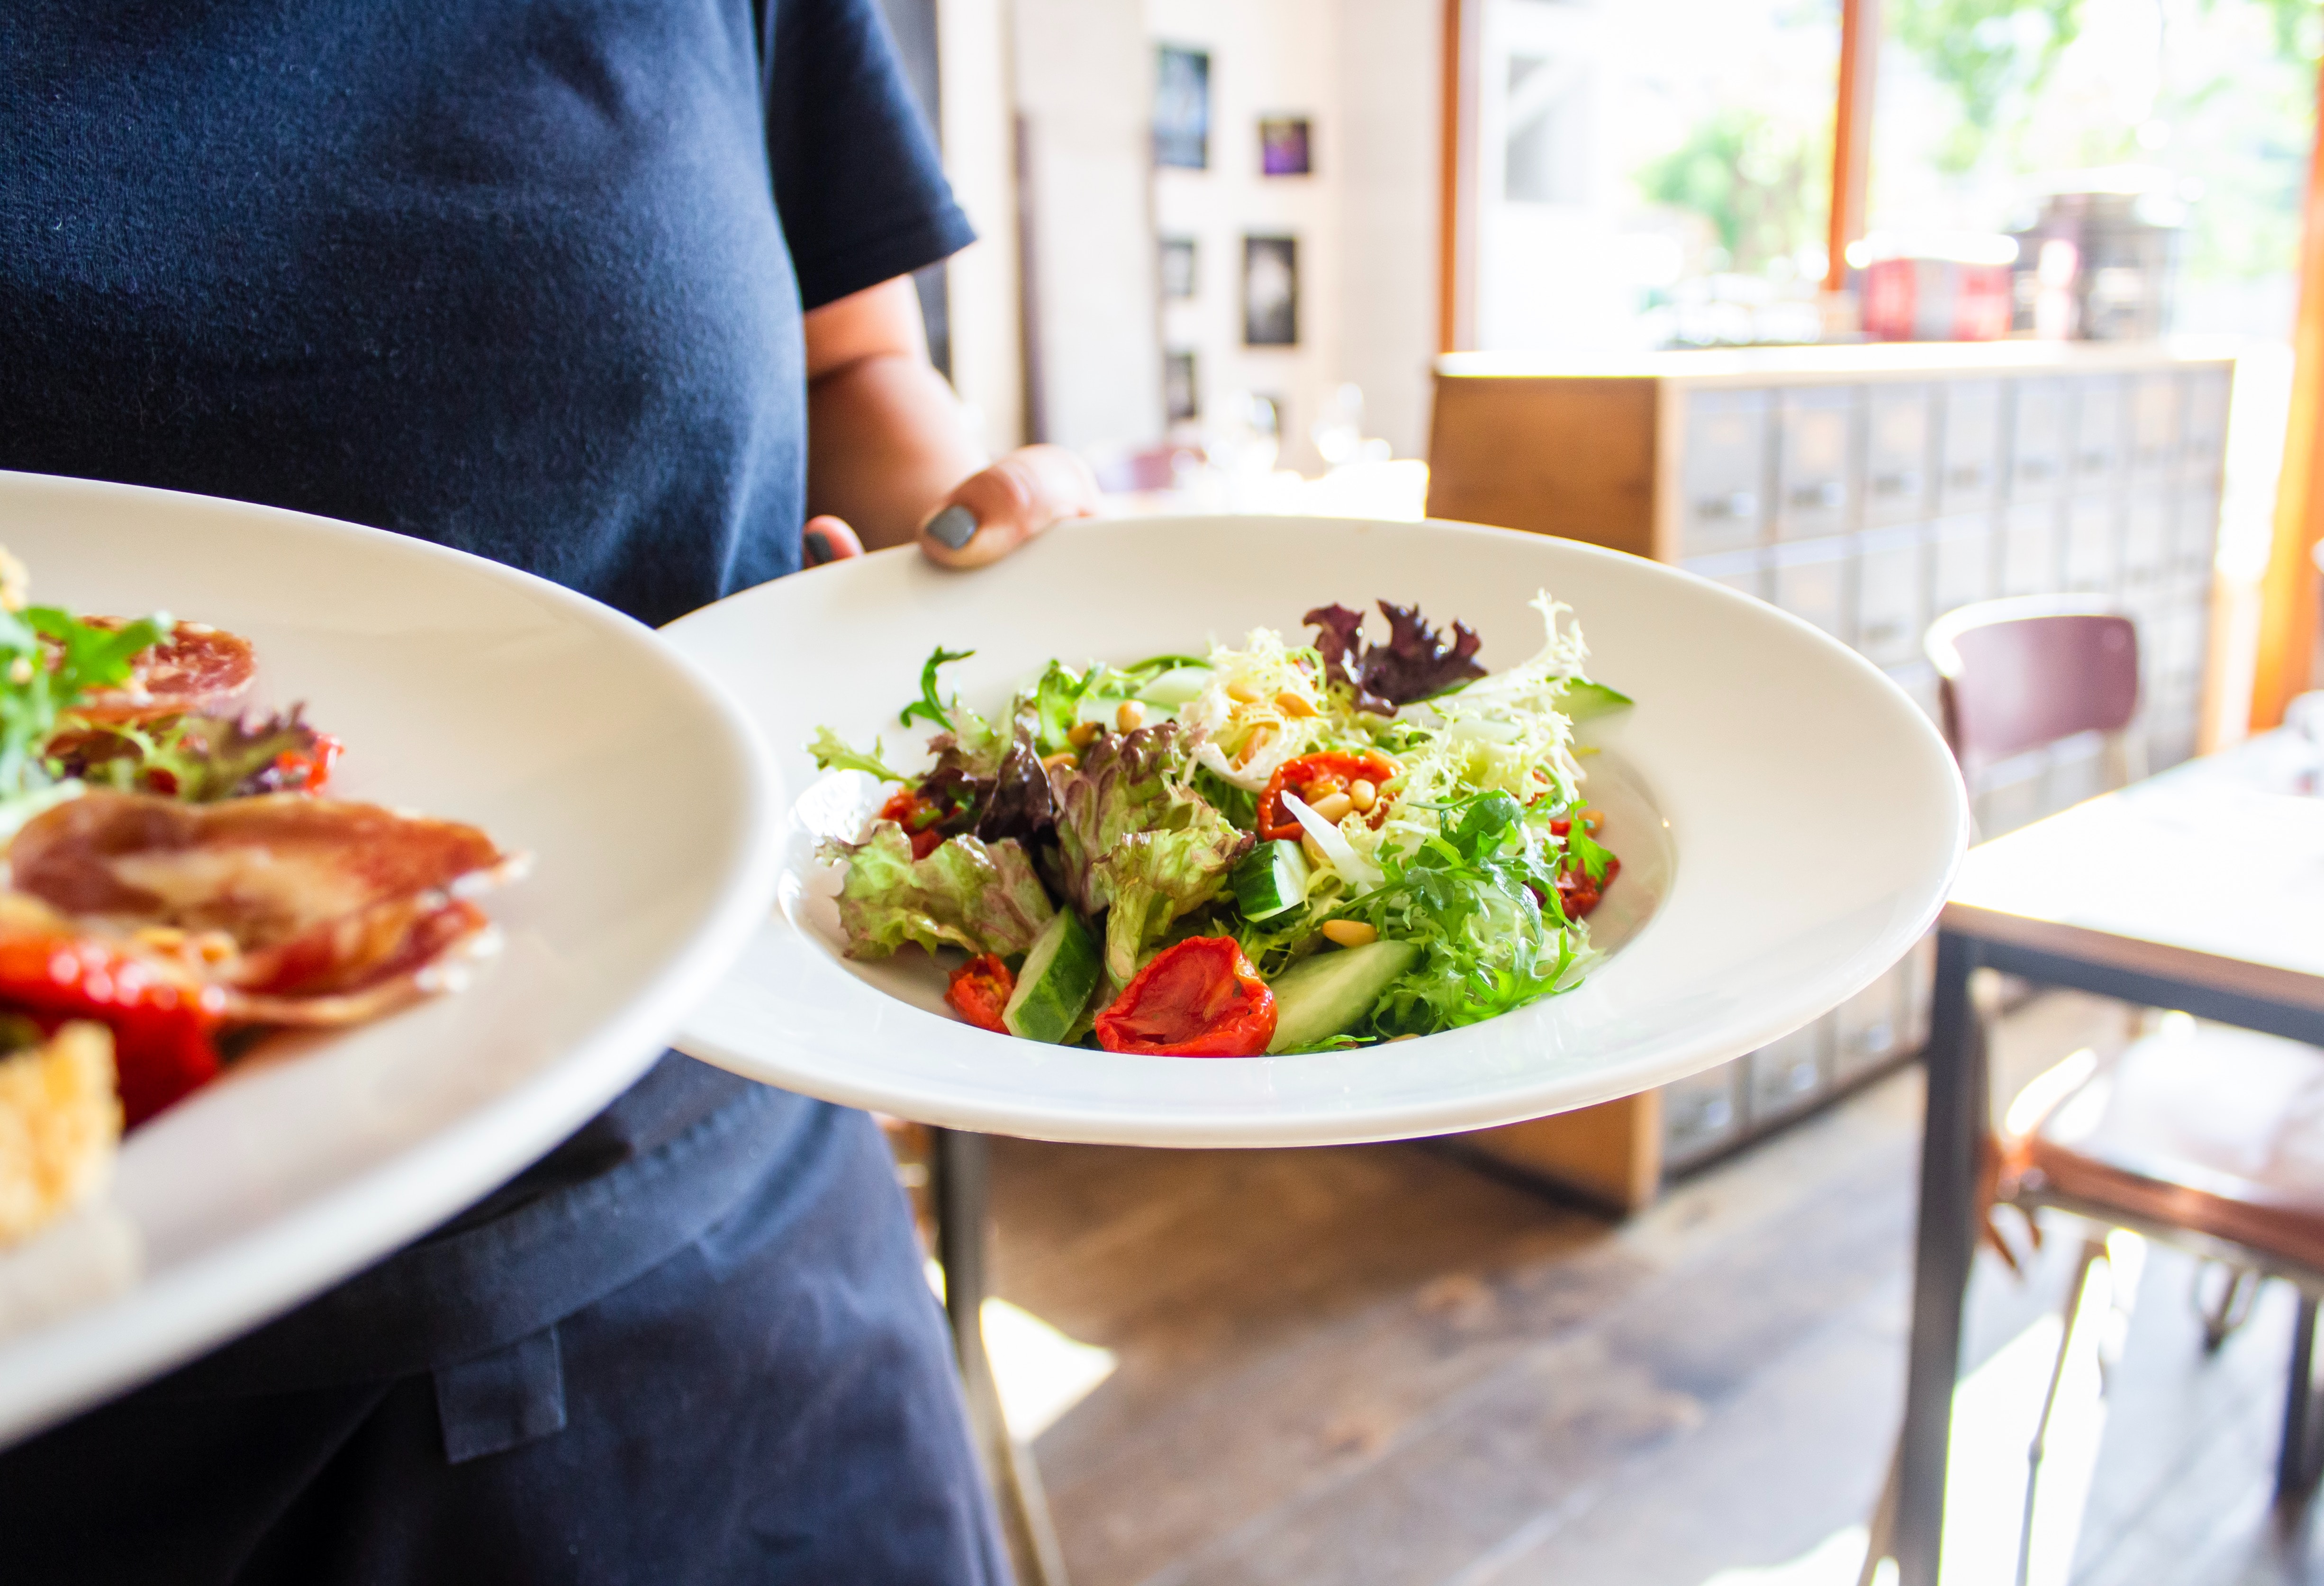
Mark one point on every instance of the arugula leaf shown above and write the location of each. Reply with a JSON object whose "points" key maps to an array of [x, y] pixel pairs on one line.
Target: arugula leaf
{"points": [[1585, 851], [927, 708], [49, 658], [832, 754]]}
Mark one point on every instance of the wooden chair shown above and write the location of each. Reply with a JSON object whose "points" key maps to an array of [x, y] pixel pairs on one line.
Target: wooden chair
{"points": [[2208, 1139]]}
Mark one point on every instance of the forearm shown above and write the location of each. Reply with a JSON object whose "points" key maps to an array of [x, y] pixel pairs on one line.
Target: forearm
{"points": [[887, 442]]}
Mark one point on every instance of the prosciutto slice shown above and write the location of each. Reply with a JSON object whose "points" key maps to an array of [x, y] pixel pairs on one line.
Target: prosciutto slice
{"points": [[301, 910], [196, 669]]}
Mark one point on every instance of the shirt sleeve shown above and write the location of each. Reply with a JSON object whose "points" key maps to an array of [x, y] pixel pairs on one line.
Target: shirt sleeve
{"points": [[858, 183]]}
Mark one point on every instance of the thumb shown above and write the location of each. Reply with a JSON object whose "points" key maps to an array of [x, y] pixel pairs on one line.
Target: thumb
{"points": [[827, 539], [993, 512]]}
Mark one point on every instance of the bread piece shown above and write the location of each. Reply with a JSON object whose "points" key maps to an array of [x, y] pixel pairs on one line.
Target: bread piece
{"points": [[59, 1122]]}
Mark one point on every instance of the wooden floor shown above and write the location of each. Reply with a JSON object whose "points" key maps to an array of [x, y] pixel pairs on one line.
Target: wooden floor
{"points": [[1375, 1365]]}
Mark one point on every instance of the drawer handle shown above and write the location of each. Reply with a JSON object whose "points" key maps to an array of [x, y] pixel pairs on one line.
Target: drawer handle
{"points": [[1829, 492], [1895, 483], [1741, 504]]}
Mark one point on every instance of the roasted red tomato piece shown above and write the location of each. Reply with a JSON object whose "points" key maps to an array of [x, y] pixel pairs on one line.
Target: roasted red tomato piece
{"points": [[1577, 894], [1200, 999], [980, 990], [918, 817], [161, 1018], [197, 669], [1278, 824]]}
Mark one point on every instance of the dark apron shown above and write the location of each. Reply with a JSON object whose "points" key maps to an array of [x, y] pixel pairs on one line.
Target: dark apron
{"points": [[553, 1395]]}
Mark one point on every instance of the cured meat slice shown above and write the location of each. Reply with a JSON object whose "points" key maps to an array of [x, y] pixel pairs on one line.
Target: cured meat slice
{"points": [[301, 910], [197, 669]]}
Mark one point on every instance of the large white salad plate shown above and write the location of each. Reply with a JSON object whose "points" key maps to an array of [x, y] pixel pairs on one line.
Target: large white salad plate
{"points": [[1788, 823], [463, 690]]}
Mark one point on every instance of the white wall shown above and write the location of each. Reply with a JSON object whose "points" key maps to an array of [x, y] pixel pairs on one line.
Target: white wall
{"points": [[1390, 84], [1085, 88], [977, 99]]}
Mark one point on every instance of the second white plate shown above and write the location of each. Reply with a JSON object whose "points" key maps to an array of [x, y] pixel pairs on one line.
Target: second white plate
{"points": [[1788, 823]]}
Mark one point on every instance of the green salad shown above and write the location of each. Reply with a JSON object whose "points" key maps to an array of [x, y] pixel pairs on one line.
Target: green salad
{"points": [[1273, 847]]}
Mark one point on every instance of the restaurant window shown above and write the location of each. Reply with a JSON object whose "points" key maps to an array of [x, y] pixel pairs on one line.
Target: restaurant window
{"points": [[1651, 172]]}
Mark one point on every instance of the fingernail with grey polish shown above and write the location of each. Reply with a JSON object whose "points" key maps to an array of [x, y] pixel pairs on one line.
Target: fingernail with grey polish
{"points": [[819, 549], [953, 528]]}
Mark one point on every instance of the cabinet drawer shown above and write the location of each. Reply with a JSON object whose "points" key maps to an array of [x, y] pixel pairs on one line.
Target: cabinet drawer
{"points": [[2040, 412], [2093, 543], [1790, 1074], [2203, 396], [1969, 471], [1725, 474], [1814, 451], [1960, 562], [2029, 548], [1702, 1113], [1810, 580], [1743, 570], [2101, 431], [1868, 1028], [2145, 540], [2194, 529], [2155, 426], [1891, 588], [1899, 454]]}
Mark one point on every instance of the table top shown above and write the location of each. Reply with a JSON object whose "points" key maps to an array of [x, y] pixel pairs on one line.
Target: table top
{"points": [[2211, 873]]}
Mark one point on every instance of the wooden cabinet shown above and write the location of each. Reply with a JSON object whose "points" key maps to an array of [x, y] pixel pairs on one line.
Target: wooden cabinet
{"points": [[1867, 490]]}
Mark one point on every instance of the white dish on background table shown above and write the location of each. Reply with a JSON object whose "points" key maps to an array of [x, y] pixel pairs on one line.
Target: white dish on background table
{"points": [[1787, 819], [467, 691]]}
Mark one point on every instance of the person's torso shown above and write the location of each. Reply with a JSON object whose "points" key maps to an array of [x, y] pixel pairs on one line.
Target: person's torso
{"points": [[508, 275]]}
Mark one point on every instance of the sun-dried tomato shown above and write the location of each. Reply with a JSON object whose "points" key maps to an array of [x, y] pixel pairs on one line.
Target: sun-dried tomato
{"points": [[979, 989], [1200, 999], [1275, 824], [162, 1021]]}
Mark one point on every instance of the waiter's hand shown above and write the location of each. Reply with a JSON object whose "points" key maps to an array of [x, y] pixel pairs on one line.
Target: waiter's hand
{"points": [[890, 455], [991, 515]]}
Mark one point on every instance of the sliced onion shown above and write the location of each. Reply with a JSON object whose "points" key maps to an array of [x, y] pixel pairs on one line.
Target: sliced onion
{"points": [[1356, 870]]}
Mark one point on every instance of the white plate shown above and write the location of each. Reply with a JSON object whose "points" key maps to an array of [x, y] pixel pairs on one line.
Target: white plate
{"points": [[465, 690], [1813, 820]]}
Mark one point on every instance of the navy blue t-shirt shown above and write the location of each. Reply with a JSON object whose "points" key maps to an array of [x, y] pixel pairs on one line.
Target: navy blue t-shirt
{"points": [[524, 277]]}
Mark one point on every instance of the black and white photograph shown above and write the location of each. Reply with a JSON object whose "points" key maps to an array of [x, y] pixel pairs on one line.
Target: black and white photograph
{"points": [[1182, 108], [1270, 292], [1178, 267], [1181, 394]]}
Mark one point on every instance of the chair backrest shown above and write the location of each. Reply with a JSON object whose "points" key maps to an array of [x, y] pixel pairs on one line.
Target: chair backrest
{"points": [[2019, 674]]}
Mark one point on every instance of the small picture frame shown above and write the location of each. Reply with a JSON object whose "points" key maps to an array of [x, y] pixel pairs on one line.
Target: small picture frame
{"points": [[1182, 401], [1178, 268], [1270, 292], [1285, 147], [1182, 108]]}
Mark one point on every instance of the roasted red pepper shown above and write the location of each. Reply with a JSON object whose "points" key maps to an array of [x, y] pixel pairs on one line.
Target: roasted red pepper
{"points": [[1577, 894], [162, 1021], [920, 819], [307, 773], [1200, 999], [979, 989], [1278, 824]]}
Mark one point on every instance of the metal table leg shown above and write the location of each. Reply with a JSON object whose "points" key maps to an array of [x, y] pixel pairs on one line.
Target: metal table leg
{"points": [[1950, 1139], [960, 1182]]}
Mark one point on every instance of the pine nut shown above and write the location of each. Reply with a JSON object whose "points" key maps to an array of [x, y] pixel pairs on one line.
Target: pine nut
{"points": [[1362, 795], [1350, 933], [1131, 716], [1084, 735], [1243, 692], [1314, 851], [1065, 760], [1291, 705], [1333, 807]]}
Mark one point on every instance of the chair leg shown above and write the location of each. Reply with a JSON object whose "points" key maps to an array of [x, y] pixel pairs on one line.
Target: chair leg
{"points": [[2297, 1465], [1882, 1530], [2093, 1251], [2233, 1308]]}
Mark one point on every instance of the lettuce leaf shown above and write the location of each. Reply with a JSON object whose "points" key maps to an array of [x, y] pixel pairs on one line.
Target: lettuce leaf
{"points": [[195, 758], [1157, 877], [49, 658], [1126, 782], [832, 753], [967, 893]]}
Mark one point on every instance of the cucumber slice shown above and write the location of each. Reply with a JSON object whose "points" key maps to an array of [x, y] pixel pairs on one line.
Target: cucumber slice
{"points": [[1329, 994], [1061, 970], [1270, 879], [1175, 687]]}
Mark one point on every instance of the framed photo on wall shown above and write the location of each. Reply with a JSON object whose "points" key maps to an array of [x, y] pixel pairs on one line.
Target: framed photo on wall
{"points": [[1270, 292], [1182, 398], [1283, 146], [1177, 267], [1182, 108]]}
